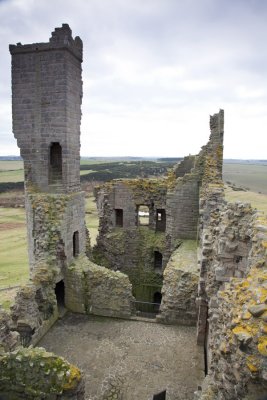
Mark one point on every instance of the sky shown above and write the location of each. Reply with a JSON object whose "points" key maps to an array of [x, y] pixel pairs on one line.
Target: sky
{"points": [[153, 72]]}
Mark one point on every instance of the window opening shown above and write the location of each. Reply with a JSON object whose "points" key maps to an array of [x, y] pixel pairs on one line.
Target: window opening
{"points": [[143, 215], [118, 217], [55, 163], [161, 220], [157, 261], [75, 240]]}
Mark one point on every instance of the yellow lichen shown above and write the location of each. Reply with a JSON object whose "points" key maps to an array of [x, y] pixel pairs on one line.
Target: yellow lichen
{"points": [[252, 364], [73, 378], [262, 346]]}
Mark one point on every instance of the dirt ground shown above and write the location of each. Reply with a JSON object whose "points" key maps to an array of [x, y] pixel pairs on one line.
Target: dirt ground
{"points": [[129, 360]]}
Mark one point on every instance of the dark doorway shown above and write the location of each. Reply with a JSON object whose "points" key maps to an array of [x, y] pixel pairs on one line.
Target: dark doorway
{"points": [[157, 301], [157, 261], [60, 293], [75, 240], [55, 163], [160, 396], [118, 217], [161, 220]]}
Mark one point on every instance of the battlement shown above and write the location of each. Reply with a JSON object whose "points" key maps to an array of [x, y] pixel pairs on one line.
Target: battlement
{"points": [[61, 39]]}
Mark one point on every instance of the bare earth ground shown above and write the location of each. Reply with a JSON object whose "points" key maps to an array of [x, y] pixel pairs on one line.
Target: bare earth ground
{"points": [[129, 360]]}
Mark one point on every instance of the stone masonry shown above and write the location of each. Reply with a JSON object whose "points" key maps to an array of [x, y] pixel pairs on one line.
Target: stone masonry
{"points": [[172, 203], [148, 236], [46, 106]]}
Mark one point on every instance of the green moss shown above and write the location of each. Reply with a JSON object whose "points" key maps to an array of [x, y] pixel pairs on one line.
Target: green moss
{"points": [[36, 373]]}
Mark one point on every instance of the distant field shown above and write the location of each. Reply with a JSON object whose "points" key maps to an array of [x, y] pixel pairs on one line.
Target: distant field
{"points": [[10, 165], [257, 200], [253, 177], [13, 247]]}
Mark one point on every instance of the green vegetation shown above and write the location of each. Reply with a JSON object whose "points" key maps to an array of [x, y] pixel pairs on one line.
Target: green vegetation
{"points": [[11, 172], [11, 176], [14, 267]]}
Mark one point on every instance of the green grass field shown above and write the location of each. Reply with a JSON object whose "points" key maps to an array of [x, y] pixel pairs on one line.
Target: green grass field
{"points": [[14, 268], [13, 242]]}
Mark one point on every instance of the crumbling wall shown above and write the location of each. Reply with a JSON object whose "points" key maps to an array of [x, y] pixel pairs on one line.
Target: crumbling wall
{"points": [[52, 221], [182, 209], [179, 291], [238, 328], [35, 308], [131, 248], [97, 290], [9, 339], [185, 166]]}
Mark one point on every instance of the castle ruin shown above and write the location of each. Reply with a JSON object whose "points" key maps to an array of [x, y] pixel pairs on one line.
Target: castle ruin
{"points": [[171, 245]]}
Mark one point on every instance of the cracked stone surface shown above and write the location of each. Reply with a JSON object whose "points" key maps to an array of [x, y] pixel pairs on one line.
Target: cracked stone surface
{"points": [[128, 360]]}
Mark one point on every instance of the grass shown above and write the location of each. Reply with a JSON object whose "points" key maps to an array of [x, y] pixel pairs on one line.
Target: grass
{"points": [[12, 176], [257, 200], [14, 268]]}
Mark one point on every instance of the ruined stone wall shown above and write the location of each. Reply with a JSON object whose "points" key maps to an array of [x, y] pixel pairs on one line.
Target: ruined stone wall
{"points": [[46, 107], [182, 209], [52, 221], [185, 166], [96, 290], [131, 247], [237, 341], [231, 297], [179, 291]]}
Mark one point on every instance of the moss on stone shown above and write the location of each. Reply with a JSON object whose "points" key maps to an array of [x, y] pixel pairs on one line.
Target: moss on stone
{"points": [[36, 373]]}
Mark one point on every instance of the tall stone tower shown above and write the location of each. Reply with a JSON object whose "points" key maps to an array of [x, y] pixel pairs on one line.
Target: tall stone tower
{"points": [[46, 105]]}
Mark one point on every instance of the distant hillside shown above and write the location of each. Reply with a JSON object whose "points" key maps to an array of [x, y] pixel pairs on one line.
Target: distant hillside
{"points": [[237, 161], [10, 158]]}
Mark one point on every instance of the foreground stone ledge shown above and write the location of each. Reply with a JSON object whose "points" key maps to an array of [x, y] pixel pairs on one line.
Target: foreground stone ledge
{"points": [[34, 373]]}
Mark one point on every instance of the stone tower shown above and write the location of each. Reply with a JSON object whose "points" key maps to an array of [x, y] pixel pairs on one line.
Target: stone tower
{"points": [[46, 106]]}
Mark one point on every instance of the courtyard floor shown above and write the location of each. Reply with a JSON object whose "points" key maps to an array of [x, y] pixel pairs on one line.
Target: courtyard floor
{"points": [[129, 360]]}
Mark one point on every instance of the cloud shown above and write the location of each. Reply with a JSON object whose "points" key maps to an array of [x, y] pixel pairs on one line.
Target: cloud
{"points": [[154, 70]]}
